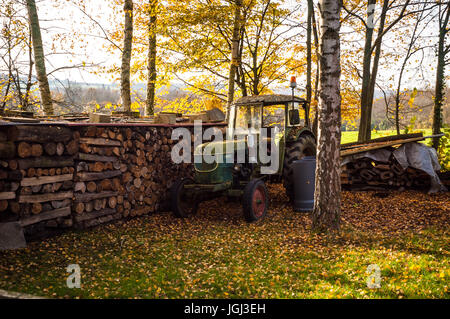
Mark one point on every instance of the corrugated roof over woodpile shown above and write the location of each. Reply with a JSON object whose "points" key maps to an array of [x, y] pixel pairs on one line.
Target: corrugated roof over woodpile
{"points": [[269, 99]]}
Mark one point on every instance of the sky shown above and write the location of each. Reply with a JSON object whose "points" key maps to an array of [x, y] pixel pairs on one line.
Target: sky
{"points": [[67, 17]]}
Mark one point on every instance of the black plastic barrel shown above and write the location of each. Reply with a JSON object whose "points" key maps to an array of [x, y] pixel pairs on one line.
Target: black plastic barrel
{"points": [[304, 180]]}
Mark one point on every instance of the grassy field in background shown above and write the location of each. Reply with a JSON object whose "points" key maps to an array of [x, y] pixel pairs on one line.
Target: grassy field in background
{"points": [[352, 136]]}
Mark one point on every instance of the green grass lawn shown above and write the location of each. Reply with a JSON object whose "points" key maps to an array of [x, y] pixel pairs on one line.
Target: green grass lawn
{"points": [[352, 136], [215, 254]]}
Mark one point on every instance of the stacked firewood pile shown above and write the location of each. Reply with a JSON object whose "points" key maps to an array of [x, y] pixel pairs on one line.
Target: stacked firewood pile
{"points": [[54, 177], [123, 172], [366, 174], [37, 176], [98, 191]]}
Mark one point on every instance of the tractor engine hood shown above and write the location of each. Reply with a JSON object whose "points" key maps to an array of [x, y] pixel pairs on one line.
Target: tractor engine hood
{"points": [[223, 149]]}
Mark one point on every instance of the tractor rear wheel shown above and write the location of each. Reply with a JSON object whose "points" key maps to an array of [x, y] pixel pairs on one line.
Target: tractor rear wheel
{"points": [[304, 146], [255, 200], [181, 203]]}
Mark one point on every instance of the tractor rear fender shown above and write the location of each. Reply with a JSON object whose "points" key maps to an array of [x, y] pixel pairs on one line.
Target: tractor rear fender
{"points": [[295, 132]]}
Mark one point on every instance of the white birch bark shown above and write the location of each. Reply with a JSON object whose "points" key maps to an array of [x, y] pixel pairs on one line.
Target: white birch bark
{"points": [[327, 204]]}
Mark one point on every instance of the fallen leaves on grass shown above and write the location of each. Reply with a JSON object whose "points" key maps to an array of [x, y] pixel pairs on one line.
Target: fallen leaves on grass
{"points": [[216, 254]]}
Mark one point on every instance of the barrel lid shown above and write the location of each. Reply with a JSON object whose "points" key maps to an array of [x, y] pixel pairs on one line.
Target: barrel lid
{"points": [[305, 159]]}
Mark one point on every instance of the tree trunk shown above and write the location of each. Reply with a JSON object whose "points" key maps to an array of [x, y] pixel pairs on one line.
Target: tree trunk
{"points": [[373, 75], [309, 57], [439, 90], [234, 63], [402, 70], [26, 105], [365, 121], [39, 58], [327, 197], [151, 58], [316, 85], [125, 89]]}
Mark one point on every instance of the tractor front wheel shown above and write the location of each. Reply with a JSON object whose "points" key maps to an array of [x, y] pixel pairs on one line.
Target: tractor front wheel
{"points": [[255, 201], [304, 146], [182, 204]]}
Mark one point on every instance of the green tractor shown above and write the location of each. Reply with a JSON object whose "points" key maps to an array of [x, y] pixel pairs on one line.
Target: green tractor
{"points": [[288, 116]]}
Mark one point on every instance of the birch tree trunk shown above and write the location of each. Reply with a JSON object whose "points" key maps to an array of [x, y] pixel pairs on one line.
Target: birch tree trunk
{"points": [[439, 90], [234, 54], [327, 196], [151, 83], [125, 90], [39, 58]]}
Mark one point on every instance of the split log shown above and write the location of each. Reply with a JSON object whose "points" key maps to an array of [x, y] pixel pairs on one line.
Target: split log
{"points": [[67, 185], [56, 186], [57, 213], [79, 207], [3, 205], [85, 148], [91, 187], [7, 195], [96, 158], [88, 216], [61, 203], [50, 148], [44, 161], [82, 167], [98, 204], [36, 208], [36, 150], [24, 150], [7, 150], [47, 188], [36, 188], [14, 207], [89, 206], [91, 131], [39, 134], [106, 185], [116, 184], [92, 196], [59, 149], [112, 202], [97, 167], [72, 147], [80, 187], [13, 186], [12, 164], [44, 197], [137, 182], [111, 134], [85, 176], [99, 141], [387, 175], [32, 181]]}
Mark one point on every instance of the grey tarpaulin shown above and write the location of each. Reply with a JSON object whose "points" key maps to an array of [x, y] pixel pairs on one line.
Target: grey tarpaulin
{"points": [[416, 155], [421, 157], [380, 155]]}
